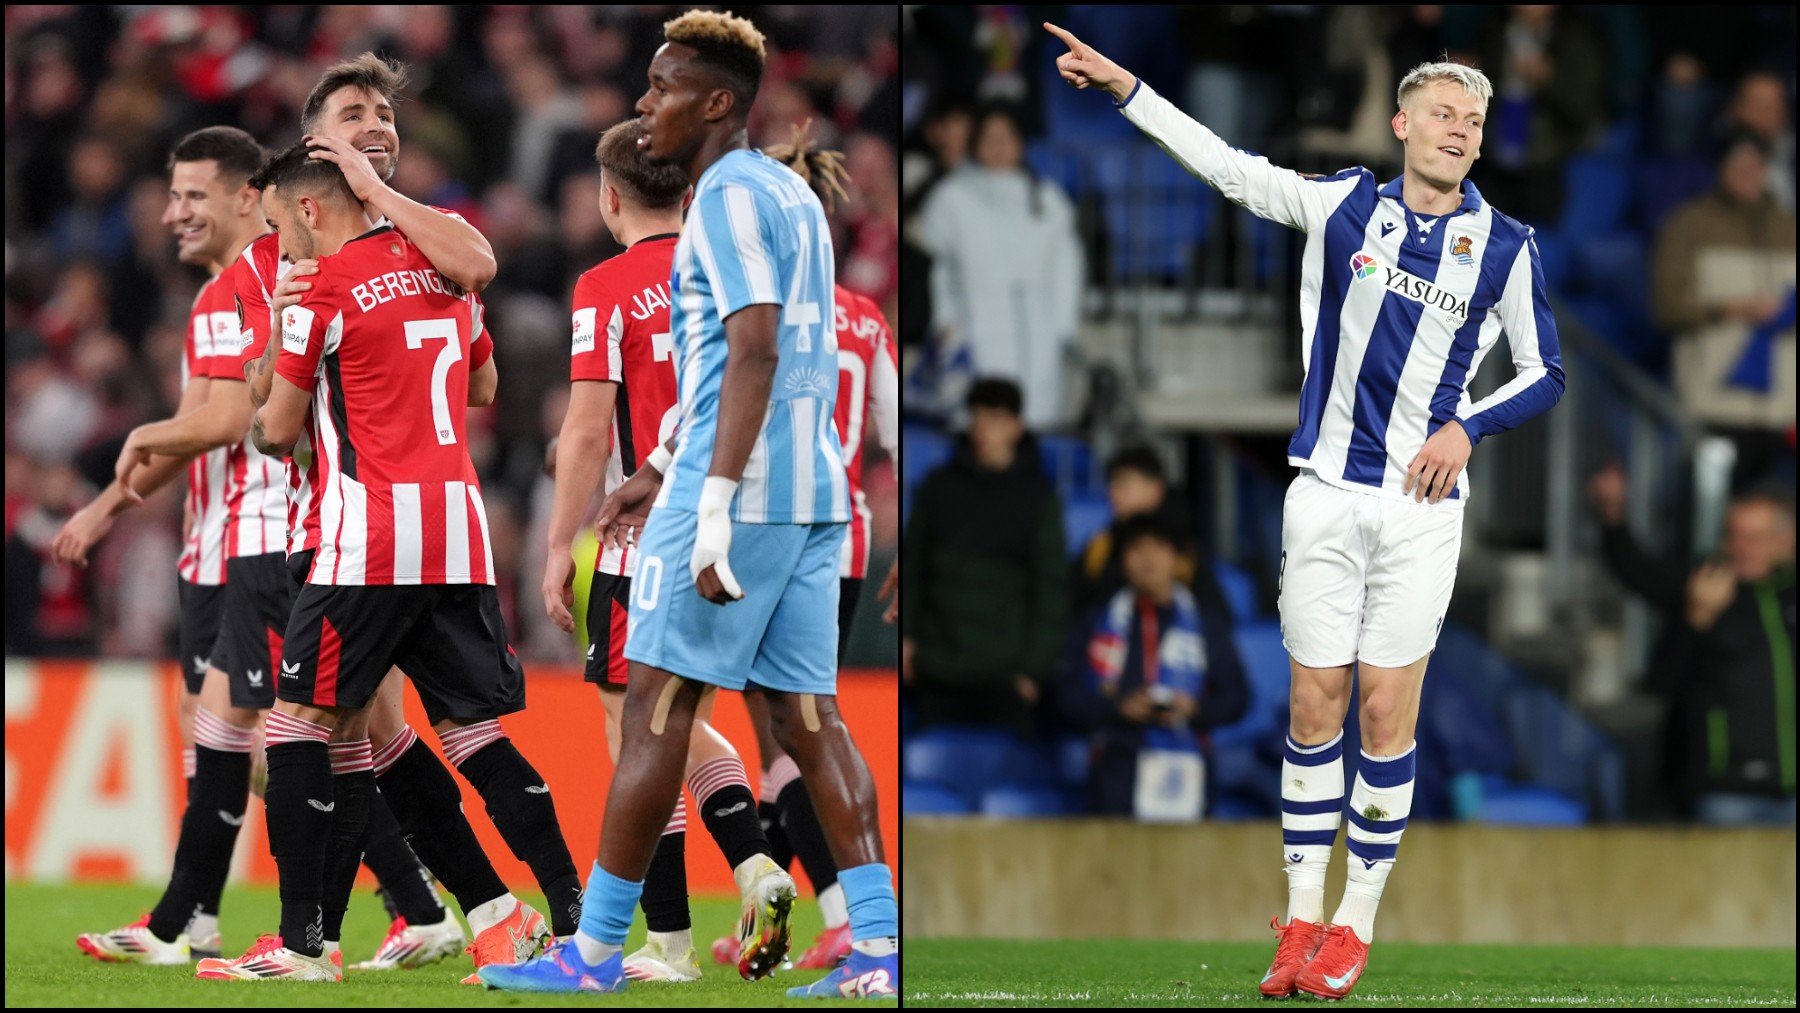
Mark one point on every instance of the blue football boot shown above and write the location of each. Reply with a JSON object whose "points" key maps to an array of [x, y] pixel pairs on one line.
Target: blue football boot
{"points": [[558, 969], [859, 977]]}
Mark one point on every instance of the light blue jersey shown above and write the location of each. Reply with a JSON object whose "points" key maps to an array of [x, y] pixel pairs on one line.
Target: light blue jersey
{"points": [[756, 234]]}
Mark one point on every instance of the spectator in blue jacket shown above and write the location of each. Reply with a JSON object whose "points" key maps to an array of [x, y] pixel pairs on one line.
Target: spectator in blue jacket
{"points": [[1160, 670]]}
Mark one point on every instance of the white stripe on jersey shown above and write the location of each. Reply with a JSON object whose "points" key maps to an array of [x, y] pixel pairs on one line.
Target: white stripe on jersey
{"points": [[615, 333], [835, 469], [409, 533], [486, 576], [805, 424], [456, 532], [741, 210], [353, 542]]}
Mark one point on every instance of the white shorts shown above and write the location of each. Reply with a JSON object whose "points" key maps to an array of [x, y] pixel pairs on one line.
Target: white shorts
{"points": [[1364, 578]]}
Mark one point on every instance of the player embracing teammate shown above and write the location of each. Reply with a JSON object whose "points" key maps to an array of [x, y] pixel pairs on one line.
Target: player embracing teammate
{"points": [[737, 580], [1405, 286]]}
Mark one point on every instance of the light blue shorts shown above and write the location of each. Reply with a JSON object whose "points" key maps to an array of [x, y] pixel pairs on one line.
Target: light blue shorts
{"points": [[781, 635]]}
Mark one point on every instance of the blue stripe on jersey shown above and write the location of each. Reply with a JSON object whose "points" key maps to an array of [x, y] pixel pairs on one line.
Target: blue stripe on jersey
{"points": [[1496, 263], [1343, 231], [1541, 395], [1390, 342]]}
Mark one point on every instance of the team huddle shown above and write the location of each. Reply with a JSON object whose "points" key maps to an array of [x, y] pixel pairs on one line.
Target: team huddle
{"points": [[337, 542]]}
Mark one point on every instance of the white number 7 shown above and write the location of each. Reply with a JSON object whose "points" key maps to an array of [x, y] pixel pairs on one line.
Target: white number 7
{"points": [[417, 333]]}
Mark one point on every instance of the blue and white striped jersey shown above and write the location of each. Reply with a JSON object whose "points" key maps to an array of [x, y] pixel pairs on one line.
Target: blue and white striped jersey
{"points": [[756, 234], [1397, 309]]}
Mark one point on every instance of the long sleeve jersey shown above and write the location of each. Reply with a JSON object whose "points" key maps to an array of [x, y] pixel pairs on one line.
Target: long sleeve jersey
{"points": [[1397, 309]]}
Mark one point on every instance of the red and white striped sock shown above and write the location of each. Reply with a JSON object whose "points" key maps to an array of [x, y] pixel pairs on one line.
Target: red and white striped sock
{"points": [[285, 728], [350, 757], [729, 809], [715, 775], [462, 743], [783, 772], [187, 761], [395, 747], [216, 733], [678, 818]]}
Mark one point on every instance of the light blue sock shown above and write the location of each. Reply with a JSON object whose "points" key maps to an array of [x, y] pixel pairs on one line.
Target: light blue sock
{"points": [[869, 892], [607, 908]]}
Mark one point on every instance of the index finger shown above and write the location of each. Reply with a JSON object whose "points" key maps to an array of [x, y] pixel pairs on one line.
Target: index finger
{"points": [[1075, 45]]}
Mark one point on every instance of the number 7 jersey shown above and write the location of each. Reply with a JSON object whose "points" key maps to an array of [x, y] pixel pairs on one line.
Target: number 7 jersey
{"points": [[756, 235], [382, 343]]}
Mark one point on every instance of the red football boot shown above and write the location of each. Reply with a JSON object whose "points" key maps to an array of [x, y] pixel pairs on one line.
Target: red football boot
{"points": [[1334, 970], [1299, 941]]}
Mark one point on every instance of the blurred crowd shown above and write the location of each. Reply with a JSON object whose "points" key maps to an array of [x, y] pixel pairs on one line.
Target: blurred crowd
{"points": [[499, 124]]}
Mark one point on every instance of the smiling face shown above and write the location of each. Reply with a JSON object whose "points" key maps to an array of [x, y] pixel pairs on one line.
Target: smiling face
{"points": [[365, 120], [1441, 126], [675, 107], [198, 212]]}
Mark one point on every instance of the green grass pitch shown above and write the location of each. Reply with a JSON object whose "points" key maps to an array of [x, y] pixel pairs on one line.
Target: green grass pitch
{"points": [[44, 967], [949, 972]]}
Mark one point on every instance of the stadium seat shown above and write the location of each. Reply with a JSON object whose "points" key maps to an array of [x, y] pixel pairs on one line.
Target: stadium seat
{"points": [[1069, 462], [1243, 768], [1024, 803], [925, 450], [1527, 805], [1058, 163], [1083, 518], [918, 798], [1239, 589], [1074, 754], [1559, 749], [1232, 806], [1666, 183], [971, 759], [1266, 671], [1558, 263], [1156, 213], [1598, 192]]}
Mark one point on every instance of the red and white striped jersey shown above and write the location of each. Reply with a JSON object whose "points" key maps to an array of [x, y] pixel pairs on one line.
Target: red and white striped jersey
{"points": [[868, 393], [212, 336], [621, 335], [255, 485], [383, 344], [263, 272]]}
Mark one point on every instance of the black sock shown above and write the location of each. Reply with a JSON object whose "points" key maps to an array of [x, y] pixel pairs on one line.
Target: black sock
{"points": [[349, 823], [518, 801], [801, 824], [428, 806], [730, 815], [209, 828], [769, 815], [665, 899], [299, 802], [405, 889]]}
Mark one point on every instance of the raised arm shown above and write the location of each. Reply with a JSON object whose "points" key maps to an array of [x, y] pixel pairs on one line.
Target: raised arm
{"points": [[1265, 190]]}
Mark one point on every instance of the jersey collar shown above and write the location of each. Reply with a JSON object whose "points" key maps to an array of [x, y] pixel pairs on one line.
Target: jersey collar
{"points": [[382, 226], [1471, 201], [655, 238]]}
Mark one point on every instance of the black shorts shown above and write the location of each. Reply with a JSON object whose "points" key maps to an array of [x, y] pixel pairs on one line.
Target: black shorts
{"points": [[298, 566], [258, 598], [609, 606], [849, 590], [200, 606], [448, 638]]}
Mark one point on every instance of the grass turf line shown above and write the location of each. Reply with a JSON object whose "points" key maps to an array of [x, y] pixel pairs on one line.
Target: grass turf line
{"points": [[44, 967], [976, 972]]}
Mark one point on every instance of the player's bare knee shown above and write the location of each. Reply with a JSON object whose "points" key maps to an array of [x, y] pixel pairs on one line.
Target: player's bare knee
{"points": [[1316, 712], [1381, 715]]}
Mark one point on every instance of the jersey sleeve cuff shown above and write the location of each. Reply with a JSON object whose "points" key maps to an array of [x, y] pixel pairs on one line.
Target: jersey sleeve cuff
{"points": [[1135, 88]]}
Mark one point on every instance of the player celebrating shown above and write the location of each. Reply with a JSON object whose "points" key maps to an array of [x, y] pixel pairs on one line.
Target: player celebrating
{"points": [[232, 560], [757, 468], [349, 120], [404, 568], [868, 393], [1406, 285]]}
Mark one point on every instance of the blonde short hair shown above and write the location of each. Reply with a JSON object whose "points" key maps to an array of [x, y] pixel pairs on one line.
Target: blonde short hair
{"points": [[1473, 81]]}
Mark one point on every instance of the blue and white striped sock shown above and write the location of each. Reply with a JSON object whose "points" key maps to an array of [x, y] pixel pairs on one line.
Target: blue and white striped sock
{"points": [[1312, 806], [1379, 806]]}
